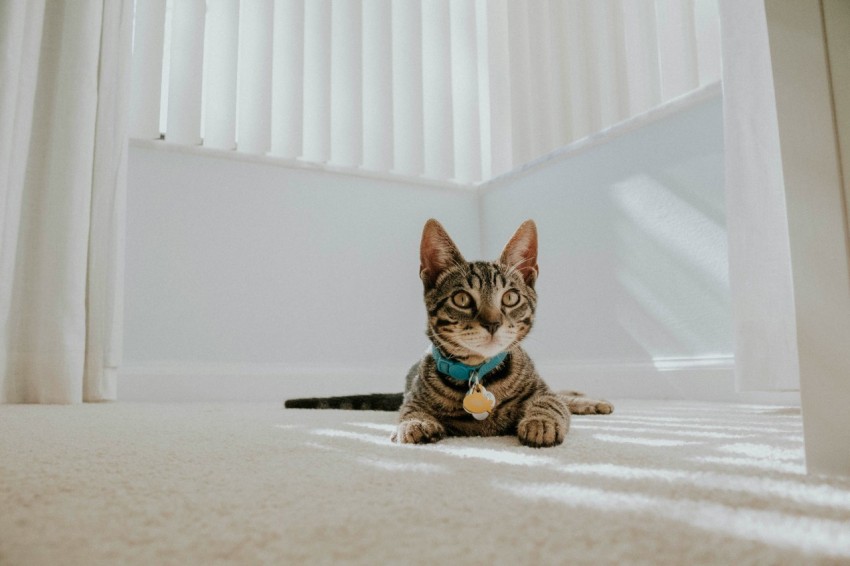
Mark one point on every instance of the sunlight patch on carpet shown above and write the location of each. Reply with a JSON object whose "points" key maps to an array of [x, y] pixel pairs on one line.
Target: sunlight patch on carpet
{"points": [[771, 413], [370, 438], [390, 428], [799, 492], [763, 451], [642, 441], [504, 456], [413, 467], [497, 456], [771, 465], [808, 534], [686, 424], [687, 433]]}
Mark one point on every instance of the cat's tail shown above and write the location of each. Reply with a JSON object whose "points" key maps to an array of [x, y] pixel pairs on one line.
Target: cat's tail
{"points": [[371, 402]]}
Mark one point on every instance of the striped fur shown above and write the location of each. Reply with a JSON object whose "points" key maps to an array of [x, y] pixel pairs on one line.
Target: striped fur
{"points": [[475, 311]]}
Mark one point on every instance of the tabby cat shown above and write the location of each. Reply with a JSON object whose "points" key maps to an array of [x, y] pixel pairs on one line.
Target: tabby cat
{"points": [[476, 380]]}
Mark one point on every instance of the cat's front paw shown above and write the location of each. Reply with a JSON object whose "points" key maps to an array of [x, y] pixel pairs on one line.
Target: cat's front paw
{"points": [[539, 432], [416, 431]]}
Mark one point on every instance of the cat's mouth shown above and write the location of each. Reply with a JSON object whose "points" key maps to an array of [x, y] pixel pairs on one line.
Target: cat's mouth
{"points": [[488, 346], [476, 345]]}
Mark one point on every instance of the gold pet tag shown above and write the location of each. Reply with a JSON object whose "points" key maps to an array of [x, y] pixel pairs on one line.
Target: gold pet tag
{"points": [[479, 402]]}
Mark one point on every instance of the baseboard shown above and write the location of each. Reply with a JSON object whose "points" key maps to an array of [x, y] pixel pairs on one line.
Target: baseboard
{"points": [[186, 381], [698, 379]]}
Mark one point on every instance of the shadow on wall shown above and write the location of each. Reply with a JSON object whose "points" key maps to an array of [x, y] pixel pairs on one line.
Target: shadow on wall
{"points": [[673, 269]]}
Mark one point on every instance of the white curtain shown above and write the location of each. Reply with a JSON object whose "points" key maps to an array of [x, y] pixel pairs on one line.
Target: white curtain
{"points": [[64, 86], [759, 250]]}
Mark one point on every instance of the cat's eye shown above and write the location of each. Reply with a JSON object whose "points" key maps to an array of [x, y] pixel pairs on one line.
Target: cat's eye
{"points": [[510, 299], [462, 299]]}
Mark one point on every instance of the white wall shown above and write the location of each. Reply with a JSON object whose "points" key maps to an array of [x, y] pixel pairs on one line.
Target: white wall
{"points": [[634, 285], [258, 281]]}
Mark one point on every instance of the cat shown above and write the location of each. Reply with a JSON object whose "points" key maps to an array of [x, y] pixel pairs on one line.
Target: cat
{"points": [[475, 379]]}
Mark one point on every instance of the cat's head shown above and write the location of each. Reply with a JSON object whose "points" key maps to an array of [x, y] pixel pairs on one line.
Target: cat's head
{"points": [[478, 309]]}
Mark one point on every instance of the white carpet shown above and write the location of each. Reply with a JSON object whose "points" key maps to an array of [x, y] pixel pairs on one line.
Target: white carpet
{"points": [[654, 483]]}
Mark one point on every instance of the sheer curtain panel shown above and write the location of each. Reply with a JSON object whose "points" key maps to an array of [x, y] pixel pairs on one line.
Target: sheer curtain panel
{"points": [[761, 285], [64, 97]]}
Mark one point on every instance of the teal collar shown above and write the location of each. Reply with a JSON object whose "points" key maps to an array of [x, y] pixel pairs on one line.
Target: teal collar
{"points": [[463, 372]]}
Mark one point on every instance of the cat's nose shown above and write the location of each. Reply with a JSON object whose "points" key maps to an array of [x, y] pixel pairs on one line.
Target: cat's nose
{"points": [[490, 319]]}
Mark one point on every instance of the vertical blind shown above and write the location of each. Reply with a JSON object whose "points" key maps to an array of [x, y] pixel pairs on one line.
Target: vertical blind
{"points": [[459, 90]]}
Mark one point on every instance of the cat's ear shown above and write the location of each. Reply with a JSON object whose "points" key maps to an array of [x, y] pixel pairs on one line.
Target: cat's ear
{"points": [[521, 252], [436, 253]]}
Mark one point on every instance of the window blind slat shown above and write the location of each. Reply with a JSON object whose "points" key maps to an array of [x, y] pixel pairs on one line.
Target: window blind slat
{"points": [[521, 96], [558, 67], [462, 89], [575, 68], [317, 80], [346, 83], [408, 126], [606, 62], [186, 72], [254, 76], [148, 41], [546, 109], [437, 88], [464, 71], [707, 24], [494, 86], [287, 101], [221, 55], [377, 85], [641, 51], [676, 47]]}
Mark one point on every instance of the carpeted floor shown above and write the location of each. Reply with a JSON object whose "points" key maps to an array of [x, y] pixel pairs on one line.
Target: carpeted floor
{"points": [[654, 483]]}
